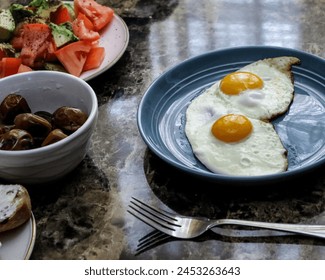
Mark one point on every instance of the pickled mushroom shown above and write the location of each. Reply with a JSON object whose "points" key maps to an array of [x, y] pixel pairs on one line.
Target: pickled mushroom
{"points": [[16, 139], [11, 106], [53, 137], [4, 129], [69, 119], [35, 125]]}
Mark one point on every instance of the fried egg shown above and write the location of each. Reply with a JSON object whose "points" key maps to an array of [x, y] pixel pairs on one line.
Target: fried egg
{"points": [[237, 145], [228, 124], [262, 90]]}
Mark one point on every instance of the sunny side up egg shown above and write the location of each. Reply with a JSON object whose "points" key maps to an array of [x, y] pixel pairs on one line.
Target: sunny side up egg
{"points": [[260, 153], [227, 125], [262, 90]]}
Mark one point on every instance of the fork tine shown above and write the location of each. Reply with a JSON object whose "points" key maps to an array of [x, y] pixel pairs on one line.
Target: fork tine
{"points": [[149, 221], [152, 217], [164, 215], [151, 240], [155, 234]]}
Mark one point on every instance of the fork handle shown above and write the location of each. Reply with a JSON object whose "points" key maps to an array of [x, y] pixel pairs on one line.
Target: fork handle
{"points": [[312, 230]]}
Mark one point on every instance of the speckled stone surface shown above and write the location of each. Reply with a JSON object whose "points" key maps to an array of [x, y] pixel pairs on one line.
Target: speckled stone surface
{"points": [[84, 215]]}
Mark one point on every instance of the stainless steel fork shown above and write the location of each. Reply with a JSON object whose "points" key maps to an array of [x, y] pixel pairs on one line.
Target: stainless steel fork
{"points": [[190, 227]]}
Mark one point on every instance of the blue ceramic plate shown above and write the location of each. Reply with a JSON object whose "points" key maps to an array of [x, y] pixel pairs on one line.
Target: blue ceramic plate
{"points": [[161, 113]]}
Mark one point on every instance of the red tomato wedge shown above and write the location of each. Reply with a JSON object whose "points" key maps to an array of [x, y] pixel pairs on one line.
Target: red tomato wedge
{"points": [[50, 55], [81, 30], [2, 54], [61, 15], [86, 20], [9, 66], [17, 42], [98, 14], [17, 39], [23, 68], [73, 56], [36, 39], [94, 58]]}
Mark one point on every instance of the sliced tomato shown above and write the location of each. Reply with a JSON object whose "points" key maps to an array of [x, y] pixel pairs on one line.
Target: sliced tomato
{"points": [[86, 20], [24, 68], [17, 39], [17, 42], [81, 30], [94, 58], [61, 15], [73, 56], [98, 14], [2, 54], [50, 54], [36, 40], [9, 66]]}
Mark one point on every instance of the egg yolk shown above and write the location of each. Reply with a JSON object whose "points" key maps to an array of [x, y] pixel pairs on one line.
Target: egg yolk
{"points": [[232, 128], [235, 83]]}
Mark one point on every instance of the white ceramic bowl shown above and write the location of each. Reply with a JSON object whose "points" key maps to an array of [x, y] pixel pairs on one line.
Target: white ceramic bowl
{"points": [[47, 91]]}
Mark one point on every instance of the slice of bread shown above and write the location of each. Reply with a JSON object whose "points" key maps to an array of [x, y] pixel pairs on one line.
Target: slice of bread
{"points": [[15, 206]]}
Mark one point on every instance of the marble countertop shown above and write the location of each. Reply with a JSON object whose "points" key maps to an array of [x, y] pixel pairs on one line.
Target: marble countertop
{"points": [[84, 215]]}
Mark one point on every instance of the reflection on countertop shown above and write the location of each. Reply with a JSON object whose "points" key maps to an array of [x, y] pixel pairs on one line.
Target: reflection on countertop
{"points": [[84, 215]]}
